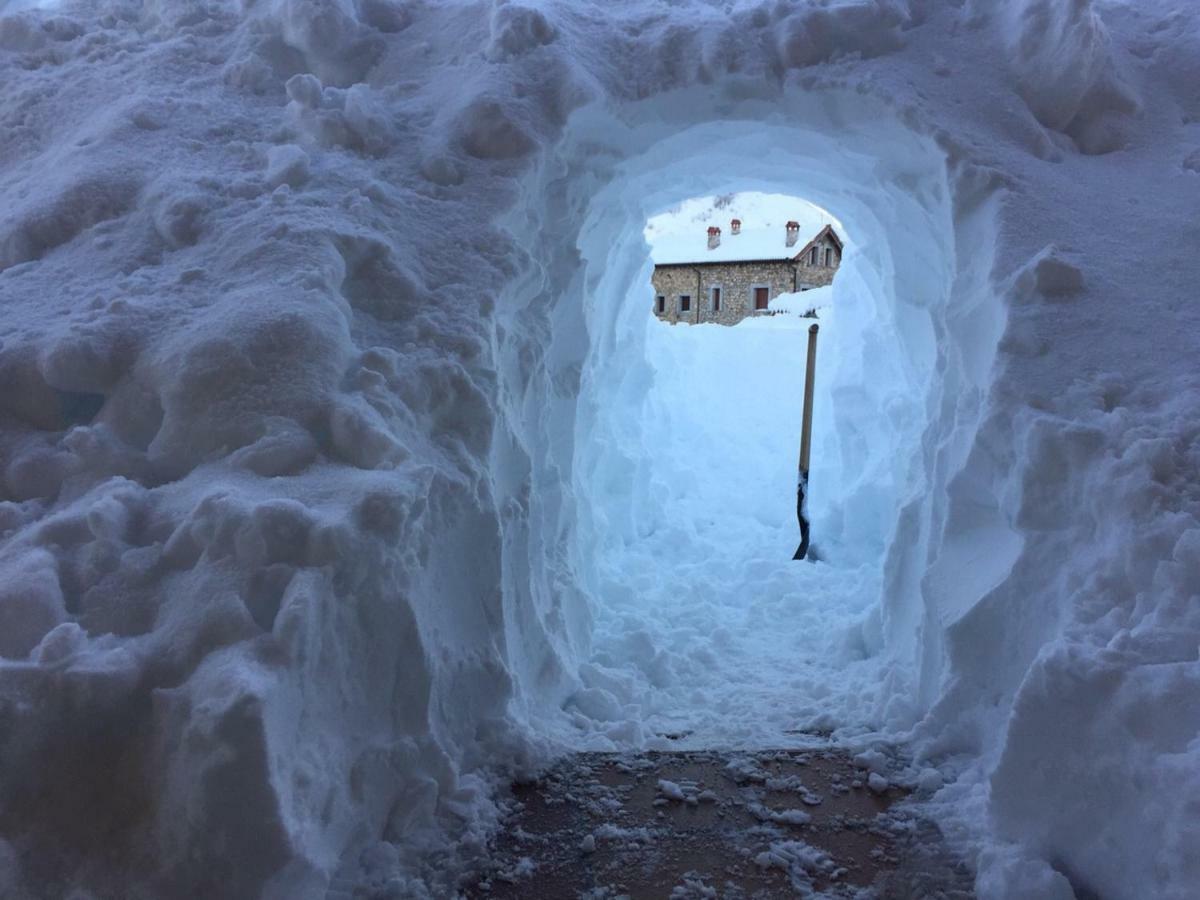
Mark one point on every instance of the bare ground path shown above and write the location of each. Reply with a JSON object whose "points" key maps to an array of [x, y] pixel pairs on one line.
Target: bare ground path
{"points": [[710, 824]]}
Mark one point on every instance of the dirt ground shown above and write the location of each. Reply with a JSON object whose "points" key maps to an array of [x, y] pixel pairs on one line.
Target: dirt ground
{"points": [[705, 824]]}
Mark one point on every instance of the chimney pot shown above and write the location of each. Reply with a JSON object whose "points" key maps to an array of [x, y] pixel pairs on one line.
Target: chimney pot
{"points": [[714, 237], [793, 232], [735, 226]]}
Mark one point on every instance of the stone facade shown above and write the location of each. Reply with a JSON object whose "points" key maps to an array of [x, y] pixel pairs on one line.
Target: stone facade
{"points": [[677, 285]]}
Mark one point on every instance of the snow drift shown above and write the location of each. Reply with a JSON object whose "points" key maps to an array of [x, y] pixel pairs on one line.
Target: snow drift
{"points": [[312, 455]]}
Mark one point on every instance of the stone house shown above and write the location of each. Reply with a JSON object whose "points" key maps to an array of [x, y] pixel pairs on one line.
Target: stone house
{"points": [[726, 281]]}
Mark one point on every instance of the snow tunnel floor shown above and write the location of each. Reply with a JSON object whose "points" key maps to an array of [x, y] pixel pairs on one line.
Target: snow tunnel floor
{"points": [[747, 653], [717, 825]]}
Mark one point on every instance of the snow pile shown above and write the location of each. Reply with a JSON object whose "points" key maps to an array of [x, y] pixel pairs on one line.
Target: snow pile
{"points": [[327, 368], [814, 303], [801, 861]]}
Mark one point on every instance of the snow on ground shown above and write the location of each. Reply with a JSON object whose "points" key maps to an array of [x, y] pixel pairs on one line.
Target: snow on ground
{"points": [[705, 626], [323, 423]]}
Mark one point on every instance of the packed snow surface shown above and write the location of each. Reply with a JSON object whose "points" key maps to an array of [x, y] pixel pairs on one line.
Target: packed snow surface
{"points": [[344, 473]]}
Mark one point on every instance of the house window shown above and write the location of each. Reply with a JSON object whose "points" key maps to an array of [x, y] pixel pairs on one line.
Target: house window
{"points": [[660, 304], [762, 298], [812, 257], [685, 302], [828, 256], [715, 293]]}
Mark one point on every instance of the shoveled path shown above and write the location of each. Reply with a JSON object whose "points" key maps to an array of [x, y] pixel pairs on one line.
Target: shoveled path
{"points": [[707, 824]]}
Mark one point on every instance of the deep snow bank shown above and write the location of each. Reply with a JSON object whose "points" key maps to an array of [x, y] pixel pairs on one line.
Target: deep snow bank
{"points": [[303, 446]]}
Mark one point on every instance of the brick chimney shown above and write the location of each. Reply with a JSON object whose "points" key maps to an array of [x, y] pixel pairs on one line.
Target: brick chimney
{"points": [[714, 237], [735, 226], [793, 233]]}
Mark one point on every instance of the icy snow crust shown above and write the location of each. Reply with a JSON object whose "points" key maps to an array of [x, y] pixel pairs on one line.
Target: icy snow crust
{"points": [[324, 366]]}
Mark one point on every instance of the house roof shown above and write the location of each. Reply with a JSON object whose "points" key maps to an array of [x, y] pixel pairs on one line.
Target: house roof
{"points": [[752, 245], [826, 231]]}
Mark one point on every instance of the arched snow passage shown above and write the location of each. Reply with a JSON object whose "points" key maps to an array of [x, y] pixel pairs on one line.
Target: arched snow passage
{"points": [[901, 389]]}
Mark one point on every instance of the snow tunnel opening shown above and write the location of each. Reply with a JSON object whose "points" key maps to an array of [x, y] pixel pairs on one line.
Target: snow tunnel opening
{"points": [[649, 619], [737, 279]]}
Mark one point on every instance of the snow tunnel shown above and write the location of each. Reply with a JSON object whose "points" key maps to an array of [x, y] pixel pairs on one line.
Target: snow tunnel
{"points": [[649, 619]]}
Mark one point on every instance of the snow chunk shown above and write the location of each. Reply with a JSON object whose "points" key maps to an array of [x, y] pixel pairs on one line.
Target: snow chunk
{"points": [[362, 437], [283, 362], [489, 131], [88, 362], [814, 35], [611, 832], [60, 643], [794, 817], [518, 29], [873, 760], [286, 164], [693, 887], [441, 169], [671, 790], [929, 781], [31, 603], [333, 42], [304, 90], [55, 215], [283, 449], [177, 210], [801, 861], [743, 769], [597, 704], [351, 118], [1066, 72]]}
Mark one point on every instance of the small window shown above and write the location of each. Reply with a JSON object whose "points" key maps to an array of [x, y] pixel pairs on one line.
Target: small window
{"points": [[685, 302], [762, 298], [716, 298], [829, 256], [812, 257], [660, 304]]}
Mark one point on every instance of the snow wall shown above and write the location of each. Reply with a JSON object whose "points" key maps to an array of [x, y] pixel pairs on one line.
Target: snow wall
{"points": [[303, 446], [900, 343]]}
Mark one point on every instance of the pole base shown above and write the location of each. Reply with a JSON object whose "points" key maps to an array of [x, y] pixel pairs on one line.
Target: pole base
{"points": [[802, 516]]}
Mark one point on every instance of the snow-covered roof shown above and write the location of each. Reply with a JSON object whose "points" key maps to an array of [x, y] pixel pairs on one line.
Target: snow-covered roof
{"points": [[750, 244]]}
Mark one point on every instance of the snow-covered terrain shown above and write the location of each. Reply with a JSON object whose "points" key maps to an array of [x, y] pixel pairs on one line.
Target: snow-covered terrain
{"points": [[332, 491]]}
